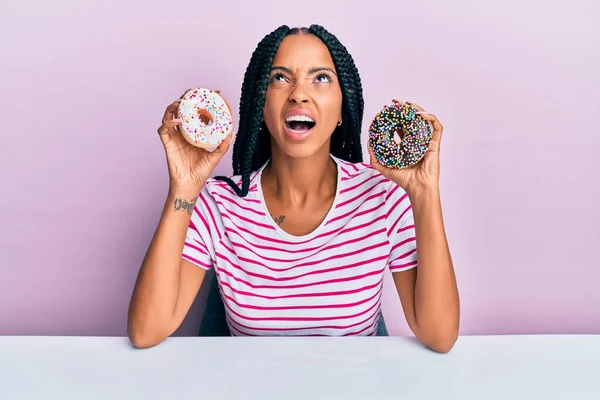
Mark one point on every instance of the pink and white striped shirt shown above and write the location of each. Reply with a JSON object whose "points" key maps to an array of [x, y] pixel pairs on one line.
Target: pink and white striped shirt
{"points": [[328, 282]]}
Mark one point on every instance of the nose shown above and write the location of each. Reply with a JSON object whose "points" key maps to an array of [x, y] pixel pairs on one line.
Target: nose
{"points": [[298, 95]]}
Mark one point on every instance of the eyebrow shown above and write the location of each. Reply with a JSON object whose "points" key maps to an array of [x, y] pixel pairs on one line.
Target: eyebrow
{"points": [[310, 72]]}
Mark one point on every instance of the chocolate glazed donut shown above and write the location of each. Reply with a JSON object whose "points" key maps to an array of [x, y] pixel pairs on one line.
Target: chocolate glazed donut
{"points": [[399, 136]]}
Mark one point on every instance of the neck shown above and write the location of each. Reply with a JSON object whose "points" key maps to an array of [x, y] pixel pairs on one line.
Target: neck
{"points": [[296, 180]]}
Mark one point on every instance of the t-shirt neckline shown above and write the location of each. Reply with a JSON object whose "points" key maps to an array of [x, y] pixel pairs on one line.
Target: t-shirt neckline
{"points": [[319, 228]]}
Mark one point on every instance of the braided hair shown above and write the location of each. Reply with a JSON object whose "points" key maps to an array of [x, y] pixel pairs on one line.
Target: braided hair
{"points": [[252, 147]]}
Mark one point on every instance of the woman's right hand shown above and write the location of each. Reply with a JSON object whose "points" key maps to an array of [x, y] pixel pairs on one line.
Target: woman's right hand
{"points": [[188, 165]]}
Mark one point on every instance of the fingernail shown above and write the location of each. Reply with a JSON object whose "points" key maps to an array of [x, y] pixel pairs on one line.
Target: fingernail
{"points": [[177, 120], [422, 112]]}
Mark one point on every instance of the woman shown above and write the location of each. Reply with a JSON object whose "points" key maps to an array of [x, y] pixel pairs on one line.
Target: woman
{"points": [[302, 233]]}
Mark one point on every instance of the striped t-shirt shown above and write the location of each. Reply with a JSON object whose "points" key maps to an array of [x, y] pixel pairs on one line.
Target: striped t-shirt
{"points": [[328, 282]]}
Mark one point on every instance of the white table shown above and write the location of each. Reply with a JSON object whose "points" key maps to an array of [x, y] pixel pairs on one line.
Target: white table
{"points": [[478, 367]]}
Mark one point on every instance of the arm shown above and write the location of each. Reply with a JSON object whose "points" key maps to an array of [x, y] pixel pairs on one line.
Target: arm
{"points": [[166, 285], [429, 293]]}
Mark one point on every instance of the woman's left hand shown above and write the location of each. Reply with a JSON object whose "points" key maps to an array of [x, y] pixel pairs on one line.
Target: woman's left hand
{"points": [[424, 174]]}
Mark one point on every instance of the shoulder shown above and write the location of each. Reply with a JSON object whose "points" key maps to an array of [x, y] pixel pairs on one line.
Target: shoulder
{"points": [[222, 196], [364, 188], [218, 202], [217, 187], [362, 174]]}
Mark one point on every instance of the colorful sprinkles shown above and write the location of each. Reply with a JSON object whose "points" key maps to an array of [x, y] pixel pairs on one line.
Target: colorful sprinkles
{"points": [[206, 116], [415, 136]]}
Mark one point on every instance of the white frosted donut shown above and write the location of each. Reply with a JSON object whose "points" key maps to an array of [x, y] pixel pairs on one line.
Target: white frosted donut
{"points": [[206, 116]]}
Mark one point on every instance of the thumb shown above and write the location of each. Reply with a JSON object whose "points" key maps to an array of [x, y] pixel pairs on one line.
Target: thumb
{"points": [[374, 162], [223, 147]]}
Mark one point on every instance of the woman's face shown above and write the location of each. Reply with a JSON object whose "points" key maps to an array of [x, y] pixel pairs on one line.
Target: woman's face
{"points": [[304, 99]]}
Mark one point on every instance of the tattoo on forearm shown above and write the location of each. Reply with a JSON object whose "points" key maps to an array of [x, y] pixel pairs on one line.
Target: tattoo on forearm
{"points": [[278, 220], [184, 205]]}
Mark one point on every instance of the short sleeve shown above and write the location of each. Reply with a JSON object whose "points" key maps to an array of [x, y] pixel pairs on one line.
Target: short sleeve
{"points": [[198, 247], [401, 230]]}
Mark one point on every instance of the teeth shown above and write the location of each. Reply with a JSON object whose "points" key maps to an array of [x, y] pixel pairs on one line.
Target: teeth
{"points": [[299, 118]]}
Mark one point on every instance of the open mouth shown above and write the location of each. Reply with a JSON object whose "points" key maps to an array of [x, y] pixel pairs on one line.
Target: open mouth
{"points": [[299, 123]]}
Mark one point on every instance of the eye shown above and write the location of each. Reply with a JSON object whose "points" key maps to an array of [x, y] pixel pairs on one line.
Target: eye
{"points": [[278, 78], [323, 78]]}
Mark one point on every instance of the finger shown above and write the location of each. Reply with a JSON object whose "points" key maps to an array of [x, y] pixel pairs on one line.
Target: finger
{"points": [[420, 111], [169, 127], [437, 126], [172, 108], [397, 102], [224, 146], [418, 107], [171, 111], [184, 93], [178, 102], [177, 122], [371, 155], [374, 162]]}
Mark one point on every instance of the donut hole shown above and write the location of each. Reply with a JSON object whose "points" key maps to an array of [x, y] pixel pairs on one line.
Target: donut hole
{"points": [[398, 135], [205, 117]]}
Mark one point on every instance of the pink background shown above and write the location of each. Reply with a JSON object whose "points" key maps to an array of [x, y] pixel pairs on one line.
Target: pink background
{"points": [[83, 89]]}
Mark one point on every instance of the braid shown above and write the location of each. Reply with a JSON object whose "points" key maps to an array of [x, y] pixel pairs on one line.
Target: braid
{"points": [[252, 147], [345, 141], [252, 101]]}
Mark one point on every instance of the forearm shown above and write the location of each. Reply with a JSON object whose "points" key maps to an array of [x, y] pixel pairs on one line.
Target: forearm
{"points": [[156, 290], [437, 310]]}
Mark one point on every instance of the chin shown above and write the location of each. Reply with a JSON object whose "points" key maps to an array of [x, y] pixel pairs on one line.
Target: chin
{"points": [[299, 148]]}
